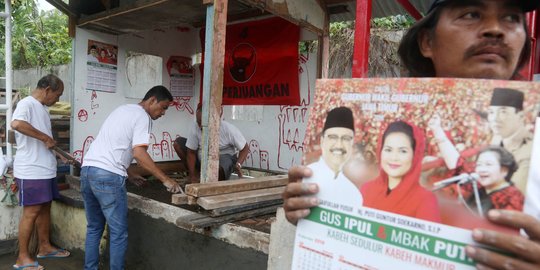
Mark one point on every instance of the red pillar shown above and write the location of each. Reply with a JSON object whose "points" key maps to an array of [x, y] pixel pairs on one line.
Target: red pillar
{"points": [[410, 9], [361, 39], [533, 66]]}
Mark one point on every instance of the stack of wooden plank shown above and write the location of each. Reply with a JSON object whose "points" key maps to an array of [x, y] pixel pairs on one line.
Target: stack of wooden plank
{"points": [[228, 201]]}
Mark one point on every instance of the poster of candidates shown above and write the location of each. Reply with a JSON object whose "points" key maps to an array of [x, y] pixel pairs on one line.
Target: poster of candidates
{"points": [[406, 168], [101, 62], [181, 74]]}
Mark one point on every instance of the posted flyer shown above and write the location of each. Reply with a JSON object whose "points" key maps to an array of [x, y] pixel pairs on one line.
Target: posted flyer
{"points": [[407, 167]]}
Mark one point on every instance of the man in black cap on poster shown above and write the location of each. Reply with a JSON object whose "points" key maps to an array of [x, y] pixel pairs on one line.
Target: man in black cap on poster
{"points": [[505, 117], [483, 39], [336, 144]]}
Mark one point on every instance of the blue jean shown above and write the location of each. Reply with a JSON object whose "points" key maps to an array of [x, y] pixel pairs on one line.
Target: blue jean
{"points": [[105, 200]]}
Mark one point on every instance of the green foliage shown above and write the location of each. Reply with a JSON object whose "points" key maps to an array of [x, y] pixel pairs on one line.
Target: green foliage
{"points": [[397, 22], [39, 39]]}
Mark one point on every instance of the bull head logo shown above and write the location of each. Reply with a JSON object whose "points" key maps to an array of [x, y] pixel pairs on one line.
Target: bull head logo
{"points": [[242, 62]]}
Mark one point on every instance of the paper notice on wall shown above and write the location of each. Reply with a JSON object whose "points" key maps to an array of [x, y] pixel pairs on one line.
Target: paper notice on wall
{"points": [[102, 67]]}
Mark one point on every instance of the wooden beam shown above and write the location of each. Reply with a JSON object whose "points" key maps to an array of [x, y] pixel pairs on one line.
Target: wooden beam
{"points": [[141, 4], [216, 23], [64, 8], [240, 198], [236, 209], [306, 13], [198, 221], [224, 187], [179, 199]]}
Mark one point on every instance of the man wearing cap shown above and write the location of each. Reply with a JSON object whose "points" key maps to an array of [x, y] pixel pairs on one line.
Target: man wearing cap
{"points": [[483, 39], [233, 149], [505, 117], [336, 143]]}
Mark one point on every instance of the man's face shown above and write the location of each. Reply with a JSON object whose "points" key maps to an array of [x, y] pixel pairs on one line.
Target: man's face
{"points": [[158, 108], [482, 40], [93, 52], [504, 121], [336, 146], [52, 96]]}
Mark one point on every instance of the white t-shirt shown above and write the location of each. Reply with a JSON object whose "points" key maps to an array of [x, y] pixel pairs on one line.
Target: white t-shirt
{"points": [[337, 189], [231, 139], [33, 159], [126, 127]]}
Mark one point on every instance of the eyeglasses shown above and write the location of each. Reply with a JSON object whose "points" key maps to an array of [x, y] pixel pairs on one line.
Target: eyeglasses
{"points": [[334, 138]]}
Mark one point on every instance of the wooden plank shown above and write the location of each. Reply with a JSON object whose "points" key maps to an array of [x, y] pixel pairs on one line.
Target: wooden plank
{"points": [[192, 200], [179, 199], [231, 186], [200, 221], [240, 198], [237, 209]]}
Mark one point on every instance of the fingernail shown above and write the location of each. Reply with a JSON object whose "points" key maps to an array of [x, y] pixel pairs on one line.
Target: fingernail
{"points": [[313, 187], [314, 201], [470, 250], [477, 234], [494, 214]]}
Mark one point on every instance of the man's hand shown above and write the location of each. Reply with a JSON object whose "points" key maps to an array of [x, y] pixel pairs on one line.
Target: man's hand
{"points": [[297, 195], [49, 142], [172, 186], [238, 168], [525, 249], [137, 180]]}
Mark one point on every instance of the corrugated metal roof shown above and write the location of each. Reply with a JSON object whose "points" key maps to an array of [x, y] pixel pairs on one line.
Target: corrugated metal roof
{"points": [[381, 8]]}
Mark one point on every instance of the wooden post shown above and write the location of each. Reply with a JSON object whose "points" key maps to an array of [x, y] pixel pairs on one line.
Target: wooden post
{"points": [[216, 23]]}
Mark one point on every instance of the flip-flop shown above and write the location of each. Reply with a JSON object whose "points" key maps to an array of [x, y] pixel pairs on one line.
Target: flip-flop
{"points": [[26, 266], [59, 253]]}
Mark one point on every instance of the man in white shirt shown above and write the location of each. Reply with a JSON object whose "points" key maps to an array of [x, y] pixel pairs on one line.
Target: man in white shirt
{"points": [[35, 169], [233, 149], [336, 143], [124, 135]]}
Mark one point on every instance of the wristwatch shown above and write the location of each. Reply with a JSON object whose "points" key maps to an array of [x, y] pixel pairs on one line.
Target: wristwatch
{"points": [[238, 165]]}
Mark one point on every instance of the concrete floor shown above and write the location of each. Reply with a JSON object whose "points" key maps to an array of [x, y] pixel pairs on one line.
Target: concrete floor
{"points": [[73, 262]]}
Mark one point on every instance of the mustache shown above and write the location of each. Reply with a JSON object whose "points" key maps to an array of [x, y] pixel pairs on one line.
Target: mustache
{"points": [[500, 47], [343, 150]]}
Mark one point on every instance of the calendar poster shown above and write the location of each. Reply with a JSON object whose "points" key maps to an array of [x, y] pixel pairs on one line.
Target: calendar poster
{"points": [[101, 66], [181, 73], [406, 168]]}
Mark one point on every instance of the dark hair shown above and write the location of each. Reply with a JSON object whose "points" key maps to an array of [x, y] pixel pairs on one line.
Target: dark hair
{"points": [[506, 159], [400, 126], [420, 66], [51, 81], [160, 92]]}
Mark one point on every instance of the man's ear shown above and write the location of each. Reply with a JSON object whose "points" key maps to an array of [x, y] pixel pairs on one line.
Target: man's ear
{"points": [[425, 43]]}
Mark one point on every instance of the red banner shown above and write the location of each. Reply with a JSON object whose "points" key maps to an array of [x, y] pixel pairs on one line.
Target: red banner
{"points": [[261, 63]]}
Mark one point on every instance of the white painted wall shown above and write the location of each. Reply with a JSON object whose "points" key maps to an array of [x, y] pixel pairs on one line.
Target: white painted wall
{"points": [[276, 140]]}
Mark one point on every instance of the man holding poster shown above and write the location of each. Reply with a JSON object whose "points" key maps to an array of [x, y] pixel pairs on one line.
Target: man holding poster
{"points": [[463, 39]]}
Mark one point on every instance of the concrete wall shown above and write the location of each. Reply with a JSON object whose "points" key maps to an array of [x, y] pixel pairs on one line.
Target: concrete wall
{"points": [[28, 78], [9, 221], [156, 242]]}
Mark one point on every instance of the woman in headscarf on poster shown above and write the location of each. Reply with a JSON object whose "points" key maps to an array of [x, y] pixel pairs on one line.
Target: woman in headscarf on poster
{"points": [[397, 188]]}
